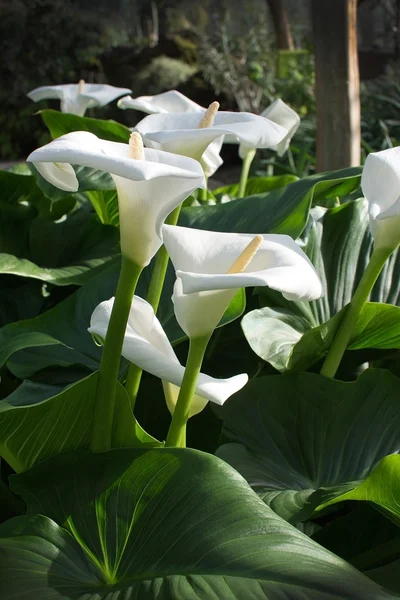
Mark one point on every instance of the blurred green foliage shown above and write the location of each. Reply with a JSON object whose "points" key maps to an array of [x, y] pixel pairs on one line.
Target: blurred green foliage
{"points": [[44, 42]]}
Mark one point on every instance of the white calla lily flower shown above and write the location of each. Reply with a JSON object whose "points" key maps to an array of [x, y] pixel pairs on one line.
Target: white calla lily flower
{"points": [[182, 133], [148, 188], [278, 112], [175, 102], [209, 274], [167, 102], [77, 97], [147, 346], [380, 183]]}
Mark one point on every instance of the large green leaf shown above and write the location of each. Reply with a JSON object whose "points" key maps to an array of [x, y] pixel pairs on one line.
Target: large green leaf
{"points": [[170, 524], [382, 487], [256, 185], [59, 123], [105, 203], [293, 435], [33, 431], [288, 342], [60, 336], [284, 210], [295, 335], [35, 243]]}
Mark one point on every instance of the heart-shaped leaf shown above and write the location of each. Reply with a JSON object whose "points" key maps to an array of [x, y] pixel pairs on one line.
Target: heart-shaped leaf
{"points": [[60, 336], [36, 244], [284, 210], [295, 335], [293, 434], [256, 185], [33, 431], [59, 123], [162, 524]]}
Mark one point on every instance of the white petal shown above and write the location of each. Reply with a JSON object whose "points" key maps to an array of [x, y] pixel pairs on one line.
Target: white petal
{"points": [[52, 91], [380, 183], [179, 132], [279, 112], [211, 160], [86, 149], [62, 175], [171, 393], [148, 190], [199, 313], [103, 94], [380, 180], [75, 102], [147, 346], [203, 288], [167, 102]]}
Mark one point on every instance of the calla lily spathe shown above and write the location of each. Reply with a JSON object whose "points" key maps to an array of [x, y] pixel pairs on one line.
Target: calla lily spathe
{"points": [[175, 102], [77, 97], [204, 288], [167, 102], [147, 346], [278, 112], [148, 190], [180, 132], [380, 183]]}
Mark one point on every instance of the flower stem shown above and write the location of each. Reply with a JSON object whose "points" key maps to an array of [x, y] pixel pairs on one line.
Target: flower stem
{"points": [[153, 297], [202, 195], [246, 164], [177, 430], [110, 359], [346, 327]]}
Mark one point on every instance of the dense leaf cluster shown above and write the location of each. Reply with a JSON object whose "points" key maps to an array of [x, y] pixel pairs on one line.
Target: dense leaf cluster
{"points": [[302, 498]]}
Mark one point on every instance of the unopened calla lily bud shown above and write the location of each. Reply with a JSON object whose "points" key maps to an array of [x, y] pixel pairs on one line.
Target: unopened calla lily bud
{"points": [[380, 183]]}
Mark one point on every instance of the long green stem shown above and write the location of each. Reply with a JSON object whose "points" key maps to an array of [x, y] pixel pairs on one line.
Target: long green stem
{"points": [[202, 195], [153, 297], [110, 359], [346, 327], [177, 431], [246, 164]]}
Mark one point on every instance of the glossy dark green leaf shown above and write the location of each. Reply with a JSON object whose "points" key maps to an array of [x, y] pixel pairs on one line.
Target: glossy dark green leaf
{"points": [[295, 335], [36, 430], [36, 244], [59, 123], [60, 337], [105, 203], [284, 210], [300, 438], [166, 524], [382, 487], [256, 185]]}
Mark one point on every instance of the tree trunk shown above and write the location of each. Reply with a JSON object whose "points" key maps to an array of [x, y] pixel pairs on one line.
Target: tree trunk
{"points": [[284, 39], [337, 84]]}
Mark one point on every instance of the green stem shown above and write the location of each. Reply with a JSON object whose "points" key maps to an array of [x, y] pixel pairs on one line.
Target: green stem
{"points": [[177, 430], [110, 359], [346, 327], [246, 164], [202, 195], [153, 297]]}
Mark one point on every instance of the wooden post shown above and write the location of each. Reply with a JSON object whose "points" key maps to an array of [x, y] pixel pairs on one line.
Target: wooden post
{"points": [[284, 39], [337, 83]]}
